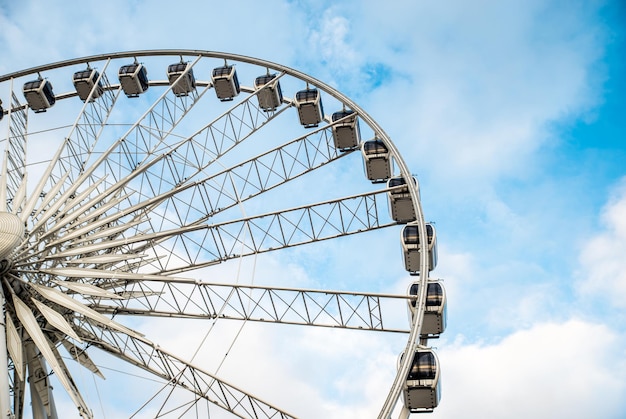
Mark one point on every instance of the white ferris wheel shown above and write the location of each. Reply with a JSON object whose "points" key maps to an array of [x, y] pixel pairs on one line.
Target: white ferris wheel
{"points": [[128, 195]]}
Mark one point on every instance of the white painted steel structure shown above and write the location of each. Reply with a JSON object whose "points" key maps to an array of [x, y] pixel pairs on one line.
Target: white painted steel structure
{"points": [[141, 197]]}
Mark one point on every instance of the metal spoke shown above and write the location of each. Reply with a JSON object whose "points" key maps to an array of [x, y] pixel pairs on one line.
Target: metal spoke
{"points": [[340, 309], [268, 232]]}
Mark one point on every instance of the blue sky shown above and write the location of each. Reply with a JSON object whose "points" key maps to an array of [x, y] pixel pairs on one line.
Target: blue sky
{"points": [[511, 114]]}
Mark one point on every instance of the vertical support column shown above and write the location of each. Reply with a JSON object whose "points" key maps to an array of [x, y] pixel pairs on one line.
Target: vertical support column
{"points": [[42, 399], [5, 401]]}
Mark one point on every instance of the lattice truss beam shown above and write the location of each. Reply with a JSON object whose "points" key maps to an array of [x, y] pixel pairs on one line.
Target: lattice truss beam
{"points": [[349, 310], [92, 217], [78, 162], [164, 175], [13, 166], [214, 243], [65, 172]]}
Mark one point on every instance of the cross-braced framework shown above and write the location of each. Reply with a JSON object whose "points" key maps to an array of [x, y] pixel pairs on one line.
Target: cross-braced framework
{"points": [[145, 197]]}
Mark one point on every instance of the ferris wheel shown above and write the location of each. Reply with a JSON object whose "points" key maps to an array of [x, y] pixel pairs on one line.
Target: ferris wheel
{"points": [[129, 196]]}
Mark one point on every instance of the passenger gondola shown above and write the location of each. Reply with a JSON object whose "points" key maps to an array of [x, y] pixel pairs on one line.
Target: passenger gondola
{"points": [[411, 247], [134, 79], [1, 110], [310, 109], [346, 134], [86, 82], [225, 82], [268, 92], [434, 322], [400, 201], [39, 94], [186, 84], [422, 388], [376, 157]]}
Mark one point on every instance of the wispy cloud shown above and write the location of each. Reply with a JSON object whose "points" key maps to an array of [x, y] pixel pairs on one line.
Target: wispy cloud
{"points": [[603, 274], [549, 370]]}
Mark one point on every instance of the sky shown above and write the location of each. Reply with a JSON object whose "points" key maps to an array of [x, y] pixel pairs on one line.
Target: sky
{"points": [[511, 115]]}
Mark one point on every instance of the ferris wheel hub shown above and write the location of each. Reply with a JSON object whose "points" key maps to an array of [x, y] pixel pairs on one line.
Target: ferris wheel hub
{"points": [[11, 233]]}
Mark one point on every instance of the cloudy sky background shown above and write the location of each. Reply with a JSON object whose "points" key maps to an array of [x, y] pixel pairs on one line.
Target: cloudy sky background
{"points": [[511, 115]]}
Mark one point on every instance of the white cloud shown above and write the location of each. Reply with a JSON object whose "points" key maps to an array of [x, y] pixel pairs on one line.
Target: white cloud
{"points": [[476, 85], [573, 369], [309, 372], [602, 256], [34, 35], [330, 39]]}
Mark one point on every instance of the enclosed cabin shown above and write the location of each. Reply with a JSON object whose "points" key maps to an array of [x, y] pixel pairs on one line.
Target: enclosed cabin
{"points": [[225, 82], [1, 110], [377, 161], [346, 134], [422, 388], [39, 94], [180, 77], [412, 248], [134, 79], [310, 109], [87, 82], [434, 322], [400, 201], [268, 92]]}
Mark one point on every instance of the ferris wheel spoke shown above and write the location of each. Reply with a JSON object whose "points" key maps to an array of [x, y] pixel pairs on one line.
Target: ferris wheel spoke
{"points": [[175, 371], [178, 162], [189, 157], [19, 395], [166, 172], [174, 160], [20, 196], [85, 132], [70, 205], [64, 300], [340, 309], [216, 193], [147, 134], [283, 229], [50, 212], [69, 162], [207, 244], [48, 351], [81, 356], [46, 200], [257, 175]]}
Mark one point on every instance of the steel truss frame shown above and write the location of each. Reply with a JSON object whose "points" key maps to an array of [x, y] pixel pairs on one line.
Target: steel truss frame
{"points": [[92, 230]]}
